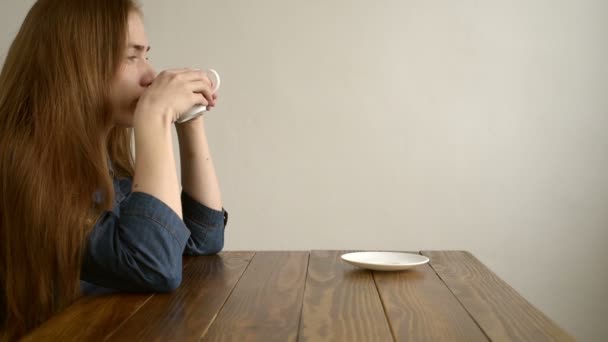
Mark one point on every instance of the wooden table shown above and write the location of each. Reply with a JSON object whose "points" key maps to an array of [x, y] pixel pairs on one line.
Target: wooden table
{"points": [[312, 296]]}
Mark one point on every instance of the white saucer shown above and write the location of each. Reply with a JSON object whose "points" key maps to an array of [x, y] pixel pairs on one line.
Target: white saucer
{"points": [[385, 261]]}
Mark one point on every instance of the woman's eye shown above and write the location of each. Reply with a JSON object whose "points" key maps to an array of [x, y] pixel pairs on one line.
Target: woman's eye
{"points": [[132, 58]]}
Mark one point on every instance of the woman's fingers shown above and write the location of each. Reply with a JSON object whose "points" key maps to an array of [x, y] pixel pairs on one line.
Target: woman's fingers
{"points": [[179, 90], [191, 75], [203, 88], [199, 99]]}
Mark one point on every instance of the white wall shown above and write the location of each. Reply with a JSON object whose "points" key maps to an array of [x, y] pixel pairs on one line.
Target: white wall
{"points": [[477, 125]]}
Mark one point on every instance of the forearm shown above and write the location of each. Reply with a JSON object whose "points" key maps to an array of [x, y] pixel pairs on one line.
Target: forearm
{"points": [[155, 171], [199, 179]]}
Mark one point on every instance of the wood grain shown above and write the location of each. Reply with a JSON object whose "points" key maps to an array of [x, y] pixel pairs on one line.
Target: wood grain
{"points": [[287, 296], [185, 314], [420, 307], [341, 302], [91, 318], [265, 305], [497, 308]]}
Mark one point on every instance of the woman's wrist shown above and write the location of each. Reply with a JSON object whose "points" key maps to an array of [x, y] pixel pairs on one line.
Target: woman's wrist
{"points": [[190, 125], [160, 118]]}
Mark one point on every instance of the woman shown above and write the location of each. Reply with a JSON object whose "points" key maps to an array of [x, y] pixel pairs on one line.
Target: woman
{"points": [[74, 203]]}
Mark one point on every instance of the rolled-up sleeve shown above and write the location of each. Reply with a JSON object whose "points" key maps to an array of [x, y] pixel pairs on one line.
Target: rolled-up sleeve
{"points": [[206, 227], [137, 249]]}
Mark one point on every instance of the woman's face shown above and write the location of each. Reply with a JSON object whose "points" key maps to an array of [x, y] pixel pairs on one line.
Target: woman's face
{"points": [[134, 76]]}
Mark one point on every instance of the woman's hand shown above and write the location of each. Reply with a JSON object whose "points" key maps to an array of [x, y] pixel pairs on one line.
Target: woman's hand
{"points": [[172, 93]]}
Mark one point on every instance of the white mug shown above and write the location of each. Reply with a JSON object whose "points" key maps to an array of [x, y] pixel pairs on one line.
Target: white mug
{"points": [[199, 110]]}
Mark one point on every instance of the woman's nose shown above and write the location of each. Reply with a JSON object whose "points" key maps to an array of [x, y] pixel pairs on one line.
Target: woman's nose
{"points": [[148, 76]]}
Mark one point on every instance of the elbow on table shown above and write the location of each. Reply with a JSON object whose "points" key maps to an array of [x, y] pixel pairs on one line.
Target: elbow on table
{"points": [[166, 281], [216, 246], [209, 247], [212, 248]]}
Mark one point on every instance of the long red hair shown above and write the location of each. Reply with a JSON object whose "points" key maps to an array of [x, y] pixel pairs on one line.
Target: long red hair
{"points": [[56, 137]]}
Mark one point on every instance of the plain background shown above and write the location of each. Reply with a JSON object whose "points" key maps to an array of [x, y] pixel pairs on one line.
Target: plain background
{"points": [[409, 125]]}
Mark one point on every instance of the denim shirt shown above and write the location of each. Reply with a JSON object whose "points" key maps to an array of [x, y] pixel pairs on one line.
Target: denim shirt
{"points": [[138, 246]]}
